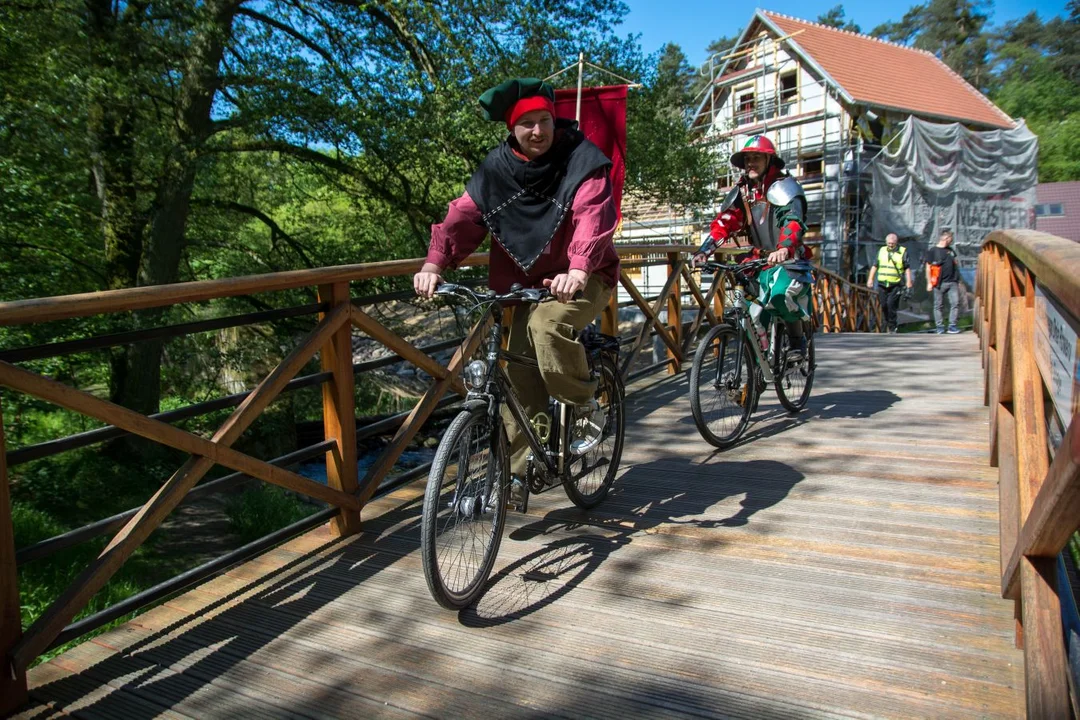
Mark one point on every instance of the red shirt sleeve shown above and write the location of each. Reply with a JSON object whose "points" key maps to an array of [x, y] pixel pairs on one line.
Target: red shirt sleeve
{"points": [[458, 236], [593, 222], [727, 224]]}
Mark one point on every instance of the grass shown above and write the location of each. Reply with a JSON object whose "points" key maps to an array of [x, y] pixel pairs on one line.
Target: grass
{"points": [[261, 510], [42, 581]]}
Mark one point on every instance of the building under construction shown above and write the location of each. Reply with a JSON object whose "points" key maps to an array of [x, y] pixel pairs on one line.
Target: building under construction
{"points": [[828, 99]]}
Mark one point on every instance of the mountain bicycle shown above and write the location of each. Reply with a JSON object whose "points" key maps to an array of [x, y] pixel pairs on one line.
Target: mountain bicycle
{"points": [[468, 487], [738, 359]]}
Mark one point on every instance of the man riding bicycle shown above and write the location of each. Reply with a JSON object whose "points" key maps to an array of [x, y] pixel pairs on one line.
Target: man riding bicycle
{"points": [[770, 206], [544, 194]]}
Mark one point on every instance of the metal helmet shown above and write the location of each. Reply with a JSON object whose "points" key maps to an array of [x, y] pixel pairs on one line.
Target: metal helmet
{"points": [[758, 144]]}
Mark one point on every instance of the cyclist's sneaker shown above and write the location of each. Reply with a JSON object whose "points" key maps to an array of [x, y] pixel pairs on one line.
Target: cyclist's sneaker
{"points": [[589, 422], [939, 330], [797, 351], [953, 330]]}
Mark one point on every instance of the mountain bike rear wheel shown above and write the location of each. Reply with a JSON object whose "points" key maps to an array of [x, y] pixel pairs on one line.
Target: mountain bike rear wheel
{"points": [[794, 380], [591, 474]]}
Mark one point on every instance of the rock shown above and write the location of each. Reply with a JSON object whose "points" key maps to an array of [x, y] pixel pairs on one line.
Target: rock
{"points": [[431, 442]]}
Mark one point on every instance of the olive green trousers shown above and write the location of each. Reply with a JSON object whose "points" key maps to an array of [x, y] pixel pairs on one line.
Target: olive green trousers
{"points": [[548, 332]]}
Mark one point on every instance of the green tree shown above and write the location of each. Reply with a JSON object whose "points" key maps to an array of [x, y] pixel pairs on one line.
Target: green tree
{"points": [[666, 161], [953, 30], [1037, 79], [163, 97], [674, 81], [835, 17]]}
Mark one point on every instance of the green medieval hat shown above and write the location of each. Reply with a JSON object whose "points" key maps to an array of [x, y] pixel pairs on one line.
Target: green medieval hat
{"points": [[498, 102]]}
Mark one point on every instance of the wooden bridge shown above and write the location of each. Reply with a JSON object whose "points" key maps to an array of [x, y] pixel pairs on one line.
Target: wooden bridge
{"points": [[848, 561]]}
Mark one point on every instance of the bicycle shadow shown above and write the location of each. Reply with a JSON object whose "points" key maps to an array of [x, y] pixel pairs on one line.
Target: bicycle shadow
{"points": [[695, 497], [849, 404]]}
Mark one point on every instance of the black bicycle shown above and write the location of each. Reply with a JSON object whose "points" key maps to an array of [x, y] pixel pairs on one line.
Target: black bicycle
{"points": [[732, 366], [468, 487]]}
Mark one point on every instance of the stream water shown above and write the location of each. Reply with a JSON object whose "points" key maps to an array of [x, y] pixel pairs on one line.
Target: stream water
{"points": [[316, 470]]}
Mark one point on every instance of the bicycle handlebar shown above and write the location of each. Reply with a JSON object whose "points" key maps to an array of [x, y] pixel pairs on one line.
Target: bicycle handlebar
{"points": [[529, 295], [749, 265]]}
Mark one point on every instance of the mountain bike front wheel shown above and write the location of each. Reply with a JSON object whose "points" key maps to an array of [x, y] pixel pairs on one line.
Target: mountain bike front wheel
{"points": [[465, 508], [722, 387]]}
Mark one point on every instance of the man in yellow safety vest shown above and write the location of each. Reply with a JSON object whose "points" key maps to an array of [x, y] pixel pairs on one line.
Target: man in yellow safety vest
{"points": [[891, 264]]}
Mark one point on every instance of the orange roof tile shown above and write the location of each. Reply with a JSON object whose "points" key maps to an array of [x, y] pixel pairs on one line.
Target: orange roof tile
{"points": [[887, 75]]}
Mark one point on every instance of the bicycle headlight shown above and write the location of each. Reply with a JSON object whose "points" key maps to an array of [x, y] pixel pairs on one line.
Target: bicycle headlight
{"points": [[475, 374]]}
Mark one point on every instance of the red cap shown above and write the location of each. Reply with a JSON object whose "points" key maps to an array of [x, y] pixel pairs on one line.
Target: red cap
{"points": [[528, 104]]}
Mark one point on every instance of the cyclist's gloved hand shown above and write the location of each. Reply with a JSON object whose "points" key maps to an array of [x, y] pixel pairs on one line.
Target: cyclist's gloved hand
{"points": [[565, 285], [425, 281], [708, 244]]}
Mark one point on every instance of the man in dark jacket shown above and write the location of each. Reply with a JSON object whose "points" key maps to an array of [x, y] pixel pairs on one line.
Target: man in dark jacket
{"points": [[943, 278]]}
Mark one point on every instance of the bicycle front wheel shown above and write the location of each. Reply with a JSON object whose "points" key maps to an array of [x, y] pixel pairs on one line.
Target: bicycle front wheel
{"points": [[465, 508], [722, 387], [795, 379], [591, 474]]}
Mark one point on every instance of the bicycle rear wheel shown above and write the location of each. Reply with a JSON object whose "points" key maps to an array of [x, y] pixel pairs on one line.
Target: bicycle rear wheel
{"points": [[464, 508], [722, 394], [794, 380], [591, 474]]}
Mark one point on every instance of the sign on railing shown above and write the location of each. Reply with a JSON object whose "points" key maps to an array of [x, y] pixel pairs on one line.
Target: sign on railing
{"points": [[1057, 353]]}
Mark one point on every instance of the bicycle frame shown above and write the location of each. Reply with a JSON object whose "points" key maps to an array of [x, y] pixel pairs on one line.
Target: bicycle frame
{"points": [[497, 390], [745, 323]]}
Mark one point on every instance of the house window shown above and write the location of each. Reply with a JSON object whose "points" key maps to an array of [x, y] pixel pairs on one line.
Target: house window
{"points": [[789, 91], [811, 165], [744, 108], [1050, 210]]}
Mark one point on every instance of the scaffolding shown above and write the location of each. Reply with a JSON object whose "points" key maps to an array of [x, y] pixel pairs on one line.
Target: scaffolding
{"points": [[759, 87]]}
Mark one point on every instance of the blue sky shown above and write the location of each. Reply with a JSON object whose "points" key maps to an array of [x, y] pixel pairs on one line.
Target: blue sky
{"points": [[693, 24]]}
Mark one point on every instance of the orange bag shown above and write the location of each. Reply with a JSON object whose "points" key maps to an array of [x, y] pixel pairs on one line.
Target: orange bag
{"points": [[935, 275]]}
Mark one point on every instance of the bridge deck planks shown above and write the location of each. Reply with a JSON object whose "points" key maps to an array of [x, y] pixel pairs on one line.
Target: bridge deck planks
{"points": [[842, 563]]}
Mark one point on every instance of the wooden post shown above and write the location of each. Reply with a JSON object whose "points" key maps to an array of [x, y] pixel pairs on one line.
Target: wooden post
{"points": [[339, 410], [12, 682], [1008, 507], [674, 311]]}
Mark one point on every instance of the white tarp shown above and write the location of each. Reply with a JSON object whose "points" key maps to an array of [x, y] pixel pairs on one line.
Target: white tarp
{"points": [[939, 176]]}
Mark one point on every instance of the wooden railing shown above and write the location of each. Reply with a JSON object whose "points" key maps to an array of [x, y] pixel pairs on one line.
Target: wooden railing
{"points": [[843, 306], [1027, 312], [331, 340]]}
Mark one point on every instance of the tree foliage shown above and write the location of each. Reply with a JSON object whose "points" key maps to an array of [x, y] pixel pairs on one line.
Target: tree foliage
{"points": [[836, 18], [954, 30], [665, 163], [150, 141]]}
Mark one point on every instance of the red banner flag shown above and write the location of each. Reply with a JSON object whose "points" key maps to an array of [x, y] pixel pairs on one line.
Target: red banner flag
{"points": [[603, 120]]}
